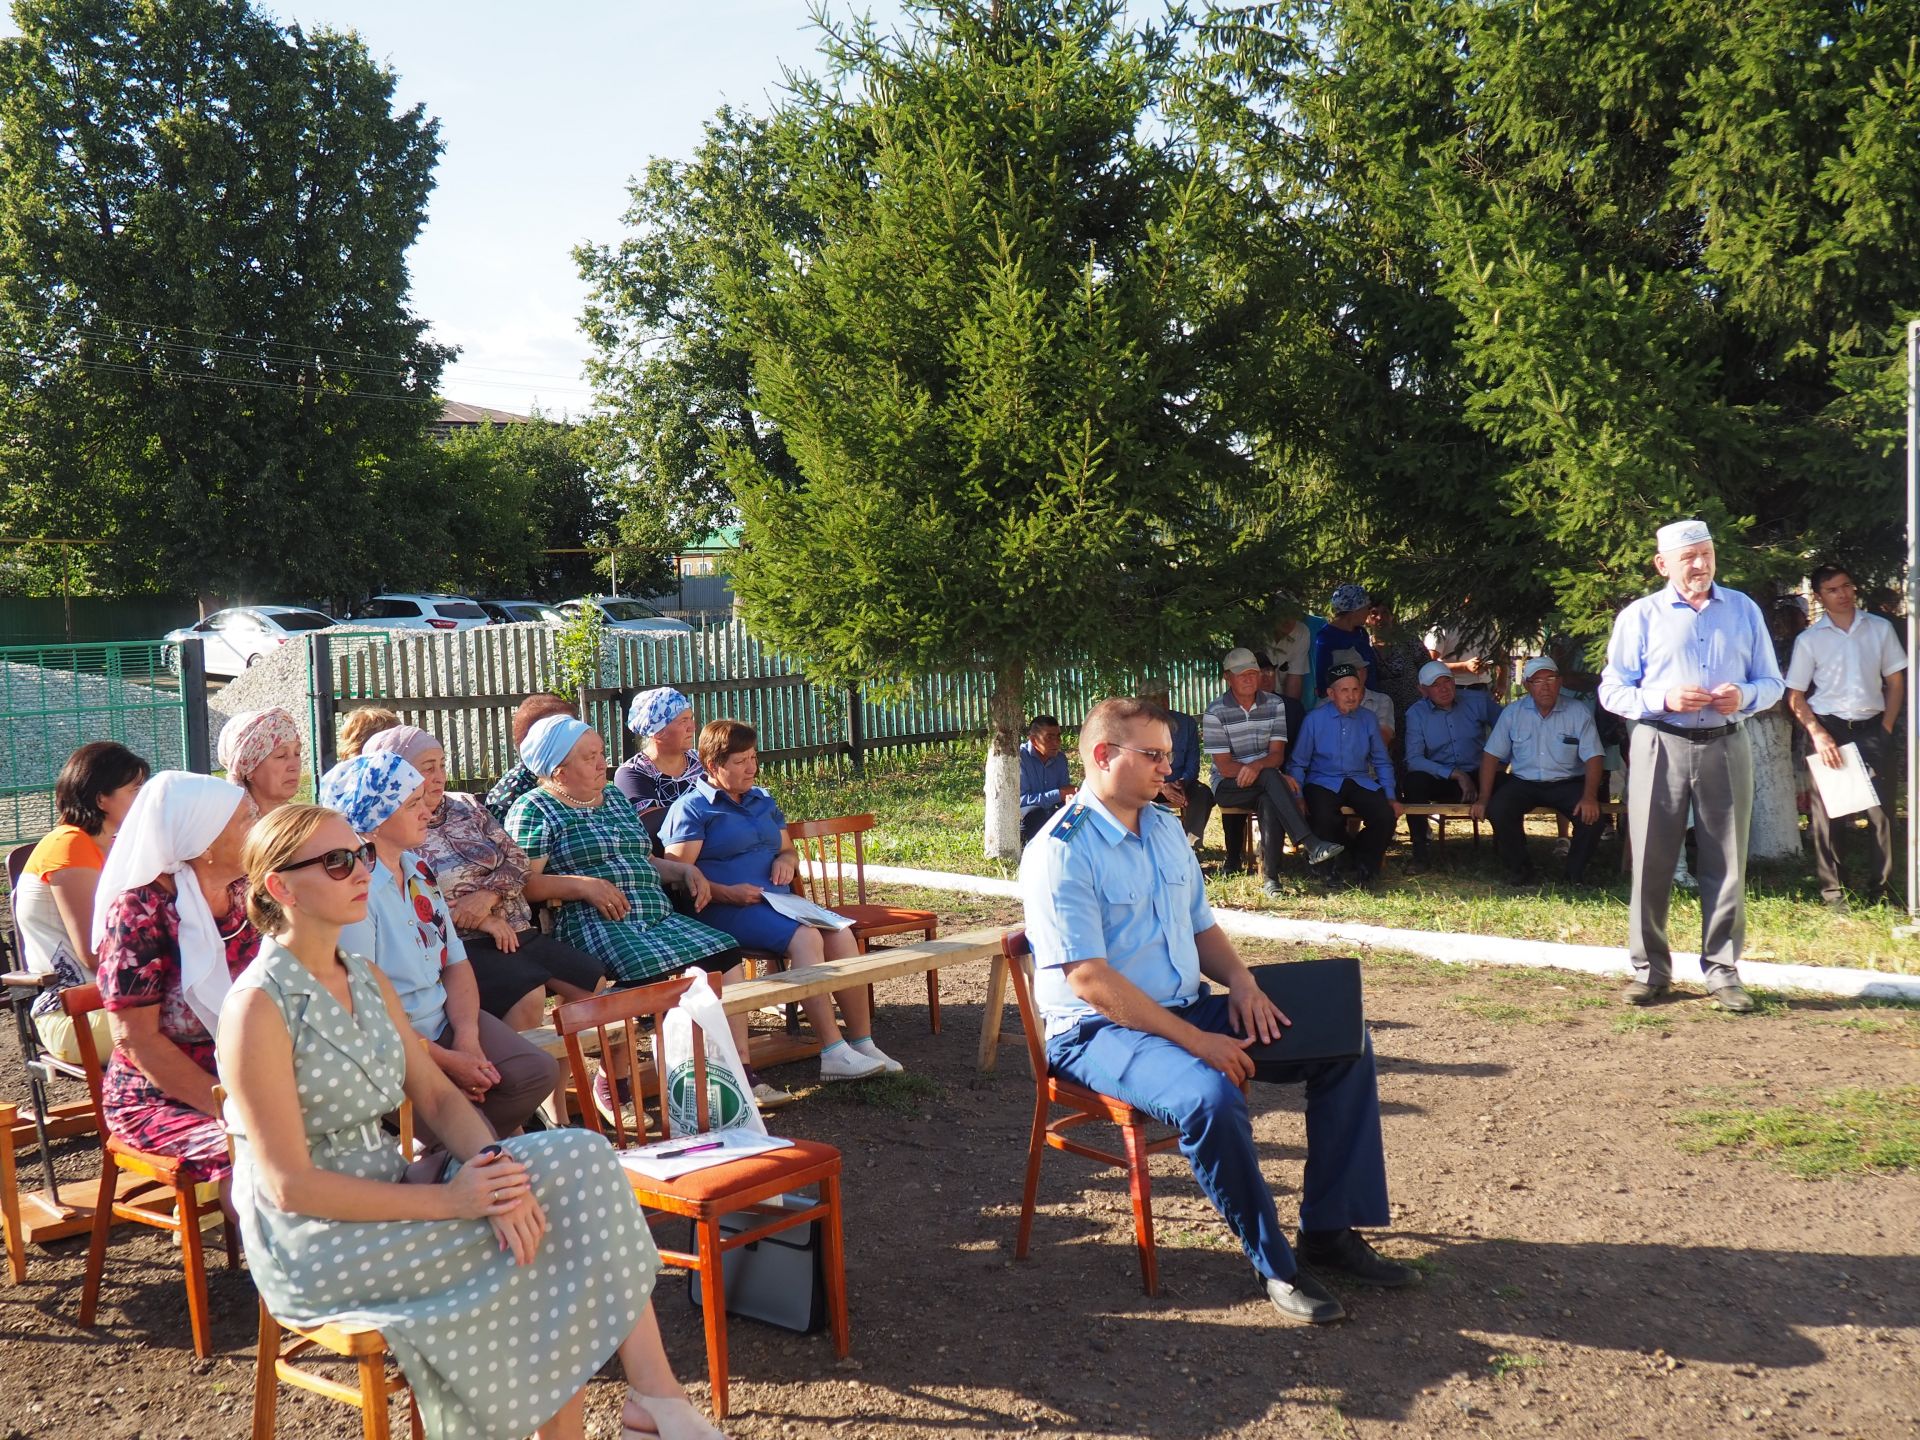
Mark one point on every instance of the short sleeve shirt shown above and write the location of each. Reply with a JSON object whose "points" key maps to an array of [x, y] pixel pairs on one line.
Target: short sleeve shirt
{"points": [[1553, 746], [1094, 890], [1290, 653], [1844, 668], [411, 938], [738, 838], [1246, 734]]}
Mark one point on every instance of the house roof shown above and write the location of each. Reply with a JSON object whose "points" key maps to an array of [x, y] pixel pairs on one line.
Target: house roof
{"points": [[727, 538], [458, 415]]}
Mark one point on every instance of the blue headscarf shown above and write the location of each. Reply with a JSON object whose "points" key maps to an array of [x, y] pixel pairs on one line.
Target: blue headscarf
{"points": [[550, 741], [653, 710], [368, 789]]}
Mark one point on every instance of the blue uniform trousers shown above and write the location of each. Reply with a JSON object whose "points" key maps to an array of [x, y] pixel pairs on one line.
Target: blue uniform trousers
{"points": [[1346, 1174]]}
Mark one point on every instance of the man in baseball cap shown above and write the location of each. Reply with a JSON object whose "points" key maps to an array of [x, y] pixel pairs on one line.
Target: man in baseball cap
{"points": [[1446, 729], [1688, 664], [1244, 732], [1553, 756]]}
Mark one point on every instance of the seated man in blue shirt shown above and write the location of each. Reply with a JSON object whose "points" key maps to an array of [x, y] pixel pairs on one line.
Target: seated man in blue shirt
{"points": [[1184, 792], [1446, 729], [1340, 759], [1121, 932], [1044, 783], [1553, 757]]}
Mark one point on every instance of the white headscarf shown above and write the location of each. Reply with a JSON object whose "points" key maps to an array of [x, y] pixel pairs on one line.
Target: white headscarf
{"points": [[175, 817]]}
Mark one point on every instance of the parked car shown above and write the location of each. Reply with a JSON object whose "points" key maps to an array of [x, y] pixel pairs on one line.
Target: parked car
{"points": [[232, 640], [623, 612], [420, 612], [520, 612]]}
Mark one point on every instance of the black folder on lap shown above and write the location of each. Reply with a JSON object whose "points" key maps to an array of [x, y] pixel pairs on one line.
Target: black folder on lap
{"points": [[1322, 999]]}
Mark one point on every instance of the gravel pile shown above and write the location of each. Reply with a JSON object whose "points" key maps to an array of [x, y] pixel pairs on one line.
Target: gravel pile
{"points": [[51, 713]]}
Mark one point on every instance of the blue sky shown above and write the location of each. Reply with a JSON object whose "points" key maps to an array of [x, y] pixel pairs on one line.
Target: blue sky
{"points": [[545, 112]]}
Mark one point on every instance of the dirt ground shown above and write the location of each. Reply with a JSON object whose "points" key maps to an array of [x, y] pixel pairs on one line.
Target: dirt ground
{"points": [[1585, 1274]]}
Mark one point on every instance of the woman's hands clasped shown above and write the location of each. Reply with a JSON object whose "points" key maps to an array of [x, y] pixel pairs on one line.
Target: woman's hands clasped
{"points": [[495, 1187]]}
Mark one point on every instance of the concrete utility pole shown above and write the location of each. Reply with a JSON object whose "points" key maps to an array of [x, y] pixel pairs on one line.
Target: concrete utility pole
{"points": [[1913, 621]]}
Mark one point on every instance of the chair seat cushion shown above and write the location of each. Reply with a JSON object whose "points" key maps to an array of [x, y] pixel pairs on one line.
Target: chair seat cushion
{"points": [[717, 1181]]}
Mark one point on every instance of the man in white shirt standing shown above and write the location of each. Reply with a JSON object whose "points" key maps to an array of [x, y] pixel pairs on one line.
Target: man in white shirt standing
{"points": [[1853, 664]]}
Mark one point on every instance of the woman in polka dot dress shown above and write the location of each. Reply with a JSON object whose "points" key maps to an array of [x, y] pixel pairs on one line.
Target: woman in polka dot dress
{"points": [[501, 1288]]}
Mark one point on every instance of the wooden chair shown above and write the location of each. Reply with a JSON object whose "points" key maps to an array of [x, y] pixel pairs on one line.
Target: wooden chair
{"points": [[824, 865], [274, 1355], [10, 1199], [1082, 1105], [740, 1186], [158, 1195]]}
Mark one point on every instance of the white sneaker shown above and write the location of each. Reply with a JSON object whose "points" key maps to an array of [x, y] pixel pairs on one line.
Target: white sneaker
{"points": [[873, 1052], [847, 1063]]}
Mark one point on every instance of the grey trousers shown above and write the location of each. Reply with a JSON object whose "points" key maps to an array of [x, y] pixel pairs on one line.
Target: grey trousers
{"points": [[1667, 774]]}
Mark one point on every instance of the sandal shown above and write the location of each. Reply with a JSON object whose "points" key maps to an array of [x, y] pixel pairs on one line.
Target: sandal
{"points": [[673, 1418]]}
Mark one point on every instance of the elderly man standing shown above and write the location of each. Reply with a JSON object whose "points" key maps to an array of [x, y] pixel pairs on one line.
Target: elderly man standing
{"points": [[1245, 734], [1446, 729], [1552, 751], [1688, 664], [1853, 663]]}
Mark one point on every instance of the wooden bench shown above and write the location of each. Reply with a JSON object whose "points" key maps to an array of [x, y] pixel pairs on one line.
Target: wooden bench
{"points": [[1439, 812]]}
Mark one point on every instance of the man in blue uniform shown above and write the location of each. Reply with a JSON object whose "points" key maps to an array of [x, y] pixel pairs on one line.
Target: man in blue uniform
{"points": [[1688, 664], [1121, 932]]}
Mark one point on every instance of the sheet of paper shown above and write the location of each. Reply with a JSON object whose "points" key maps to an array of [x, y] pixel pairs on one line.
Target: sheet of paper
{"points": [[684, 1154], [1848, 790], [798, 907]]}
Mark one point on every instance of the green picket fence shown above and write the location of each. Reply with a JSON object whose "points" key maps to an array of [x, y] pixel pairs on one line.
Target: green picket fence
{"points": [[55, 698]]}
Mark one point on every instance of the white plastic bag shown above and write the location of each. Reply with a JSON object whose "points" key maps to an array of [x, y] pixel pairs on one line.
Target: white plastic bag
{"points": [[729, 1097]]}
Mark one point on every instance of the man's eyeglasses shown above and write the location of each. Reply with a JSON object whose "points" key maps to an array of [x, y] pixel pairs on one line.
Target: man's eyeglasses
{"points": [[1156, 757], [337, 863]]}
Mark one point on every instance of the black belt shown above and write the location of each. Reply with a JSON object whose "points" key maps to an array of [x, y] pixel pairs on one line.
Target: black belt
{"points": [[1699, 735]]}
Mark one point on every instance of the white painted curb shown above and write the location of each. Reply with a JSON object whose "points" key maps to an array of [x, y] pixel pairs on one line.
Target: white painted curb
{"points": [[1456, 949]]}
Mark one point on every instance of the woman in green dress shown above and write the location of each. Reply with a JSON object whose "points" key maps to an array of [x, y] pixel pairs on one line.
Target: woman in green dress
{"points": [[501, 1287]]}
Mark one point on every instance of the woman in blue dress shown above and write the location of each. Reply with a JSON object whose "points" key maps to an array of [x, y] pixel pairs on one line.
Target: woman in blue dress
{"points": [[501, 1287], [736, 835]]}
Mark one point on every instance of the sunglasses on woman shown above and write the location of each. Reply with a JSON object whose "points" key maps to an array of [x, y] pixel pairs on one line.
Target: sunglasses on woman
{"points": [[337, 863]]}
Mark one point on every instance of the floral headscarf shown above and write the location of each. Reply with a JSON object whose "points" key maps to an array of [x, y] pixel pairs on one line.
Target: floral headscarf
{"points": [[251, 736], [368, 789], [653, 710]]}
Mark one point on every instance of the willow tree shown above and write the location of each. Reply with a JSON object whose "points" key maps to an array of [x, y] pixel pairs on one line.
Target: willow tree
{"points": [[1003, 368]]}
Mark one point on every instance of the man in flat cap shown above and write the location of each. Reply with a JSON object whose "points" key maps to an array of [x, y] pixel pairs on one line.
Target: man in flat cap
{"points": [[1687, 665], [1553, 757], [1446, 729]]}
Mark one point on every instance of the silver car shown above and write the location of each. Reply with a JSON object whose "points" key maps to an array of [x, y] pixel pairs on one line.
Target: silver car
{"points": [[233, 640]]}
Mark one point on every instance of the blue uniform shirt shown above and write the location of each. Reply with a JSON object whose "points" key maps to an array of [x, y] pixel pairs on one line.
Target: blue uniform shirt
{"points": [[1553, 746], [1041, 780], [1093, 890], [738, 838], [411, 938], [1440, 742], [1661, 643], [1335, 748]]}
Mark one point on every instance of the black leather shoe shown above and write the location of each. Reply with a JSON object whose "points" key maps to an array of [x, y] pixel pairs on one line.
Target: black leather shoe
{"points": [[1638, 992], [1348, 1253], [1734, 998], [1304, 1300]]}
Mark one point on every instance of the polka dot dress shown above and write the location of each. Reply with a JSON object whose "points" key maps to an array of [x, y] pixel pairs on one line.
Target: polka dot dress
{"points": [[492, 1349]]}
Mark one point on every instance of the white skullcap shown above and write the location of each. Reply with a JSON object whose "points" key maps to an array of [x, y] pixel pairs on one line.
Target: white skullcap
{"points": [[1681, 533], [1434, 670], [1539, 664]]}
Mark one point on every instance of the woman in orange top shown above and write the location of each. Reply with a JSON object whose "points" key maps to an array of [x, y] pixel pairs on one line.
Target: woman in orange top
{"points": [[54, 904]]}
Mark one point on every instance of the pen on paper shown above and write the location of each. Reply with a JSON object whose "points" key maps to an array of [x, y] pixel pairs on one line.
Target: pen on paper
{"points": [[690, 1150]]}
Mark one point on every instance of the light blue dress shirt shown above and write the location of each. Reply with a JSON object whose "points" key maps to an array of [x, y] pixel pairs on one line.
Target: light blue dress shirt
{"points": [[1093, 890], [410, 948], [1661, 643], [1553, 746], [1440, 742], [1335, 748], [1041, 781]]}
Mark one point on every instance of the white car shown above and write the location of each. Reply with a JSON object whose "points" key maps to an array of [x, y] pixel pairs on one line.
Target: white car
{"points": [[520, 612], [419, 612], [624, 613], [232, 640]]}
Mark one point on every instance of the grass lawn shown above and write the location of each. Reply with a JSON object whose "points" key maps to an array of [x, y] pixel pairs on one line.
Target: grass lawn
{"points": [[931, 809]]}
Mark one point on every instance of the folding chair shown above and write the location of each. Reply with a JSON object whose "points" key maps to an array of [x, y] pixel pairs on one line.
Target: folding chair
{"points": [[10, 1199], [739, 1186]]}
